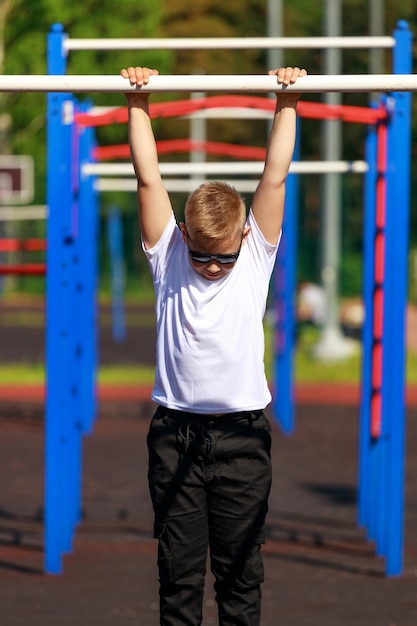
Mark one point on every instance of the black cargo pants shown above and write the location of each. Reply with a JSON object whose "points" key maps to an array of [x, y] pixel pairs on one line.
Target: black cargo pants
{"points": [[209, 479]]}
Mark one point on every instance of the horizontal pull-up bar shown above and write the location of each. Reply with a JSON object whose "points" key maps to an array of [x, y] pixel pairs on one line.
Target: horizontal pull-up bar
{"points": [[222, 83], [186, 185], [230, 43], [225, 168], [21, 213]]}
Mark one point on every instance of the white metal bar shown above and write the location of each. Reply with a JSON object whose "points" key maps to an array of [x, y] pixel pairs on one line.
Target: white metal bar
{"points": [[328, 167], [240, 112], [226, 168], [230, 43], [101, 110], [176, 169], [187, 185], [233, 113], [171, 184], [222, 83], [20, 213]]}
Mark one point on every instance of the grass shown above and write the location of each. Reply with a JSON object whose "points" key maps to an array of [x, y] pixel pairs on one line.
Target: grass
{"points": [[29, 319], [36, 319], [22, 374], [126, 375], [34, 374], [307, 369]]}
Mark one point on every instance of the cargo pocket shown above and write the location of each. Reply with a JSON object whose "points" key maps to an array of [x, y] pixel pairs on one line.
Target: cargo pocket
{"points": [[253, 570], [165, 561]]}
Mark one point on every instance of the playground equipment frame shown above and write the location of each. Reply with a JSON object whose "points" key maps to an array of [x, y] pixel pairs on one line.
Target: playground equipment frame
{"points": [[72, 268]]}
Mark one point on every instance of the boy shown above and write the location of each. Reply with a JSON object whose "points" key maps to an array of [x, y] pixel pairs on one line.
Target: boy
{"points": [[209, 440]]}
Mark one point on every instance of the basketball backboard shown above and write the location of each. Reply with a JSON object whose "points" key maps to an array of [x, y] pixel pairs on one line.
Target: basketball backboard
{"points": [[16, 179]]}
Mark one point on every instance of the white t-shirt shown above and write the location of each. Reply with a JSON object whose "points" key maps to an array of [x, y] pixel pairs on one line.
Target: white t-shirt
{"points": [[210, 340]]}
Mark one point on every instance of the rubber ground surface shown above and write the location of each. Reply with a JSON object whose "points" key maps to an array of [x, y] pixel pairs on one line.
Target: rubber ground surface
{"points": [[320, 570]]}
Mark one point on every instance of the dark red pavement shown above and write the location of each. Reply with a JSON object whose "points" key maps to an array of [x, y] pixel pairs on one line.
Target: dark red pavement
{"points": [[306, 393], [320, 570]]}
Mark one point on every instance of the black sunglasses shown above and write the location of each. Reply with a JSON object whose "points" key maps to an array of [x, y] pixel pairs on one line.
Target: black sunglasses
{"points": [[205, 257]]}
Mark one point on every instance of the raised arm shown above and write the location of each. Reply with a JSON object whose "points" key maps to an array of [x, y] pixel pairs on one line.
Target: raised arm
{"points": [[155, 208], [268, 201]]}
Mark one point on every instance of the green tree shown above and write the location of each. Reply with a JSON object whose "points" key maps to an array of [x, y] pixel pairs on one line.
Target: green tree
{"points": [[26, 25], [5, 117]]}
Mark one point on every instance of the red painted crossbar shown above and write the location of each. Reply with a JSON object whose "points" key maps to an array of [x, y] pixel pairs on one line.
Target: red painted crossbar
{"points": [[379, 292], [102, 153], [27, 245], [26, 269], [311, 110]]}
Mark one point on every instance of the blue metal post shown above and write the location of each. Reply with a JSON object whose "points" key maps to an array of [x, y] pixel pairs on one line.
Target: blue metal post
{"points": [[88, 218], [285, 288], [377, 441], [117, 273], [76, 324], [398, 207], [59, 233], [365, 475]]}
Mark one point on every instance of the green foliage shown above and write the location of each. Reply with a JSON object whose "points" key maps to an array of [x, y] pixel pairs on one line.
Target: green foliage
{"points": [[308, 369], [25, 26], [25, 53], [351, 271], [34, 374]]}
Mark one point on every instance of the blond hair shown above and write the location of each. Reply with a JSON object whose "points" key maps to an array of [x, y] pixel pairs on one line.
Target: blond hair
{"points": [[216, 211]]}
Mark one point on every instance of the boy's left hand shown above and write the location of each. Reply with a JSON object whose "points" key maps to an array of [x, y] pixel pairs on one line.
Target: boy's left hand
{"points": [[287, 75]]}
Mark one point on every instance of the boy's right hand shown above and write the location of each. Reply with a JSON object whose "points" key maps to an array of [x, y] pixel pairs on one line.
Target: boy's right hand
{"points": [[138, 75]]}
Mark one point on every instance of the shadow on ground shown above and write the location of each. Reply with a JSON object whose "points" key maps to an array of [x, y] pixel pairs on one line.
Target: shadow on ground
{"points": [[319, 567]]}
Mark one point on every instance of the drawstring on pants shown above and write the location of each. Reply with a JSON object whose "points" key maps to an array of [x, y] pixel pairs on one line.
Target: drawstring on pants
{"points": [[196, 439], [193, 432]]}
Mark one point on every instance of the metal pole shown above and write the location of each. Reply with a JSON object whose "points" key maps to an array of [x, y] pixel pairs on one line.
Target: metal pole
{"points": [[332, 344], [117, 272], [198, 134], [57, 308], [275, 30], [354, 83], [398, 210], [231, 43], [223, 168], [376, 27]]}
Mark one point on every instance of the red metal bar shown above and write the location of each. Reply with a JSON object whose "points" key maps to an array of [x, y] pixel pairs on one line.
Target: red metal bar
{"points": [[211, 147], [376, 414], [381, 183], [379, 275], [378, 317], [311, 110], [102, 153], [105, 153], [379, 253], [27, 269], [342, 112], [377, 370], [27, 245]]}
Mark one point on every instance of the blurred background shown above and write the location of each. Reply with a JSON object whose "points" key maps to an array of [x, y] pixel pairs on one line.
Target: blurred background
{"points": [[23, 30]]}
